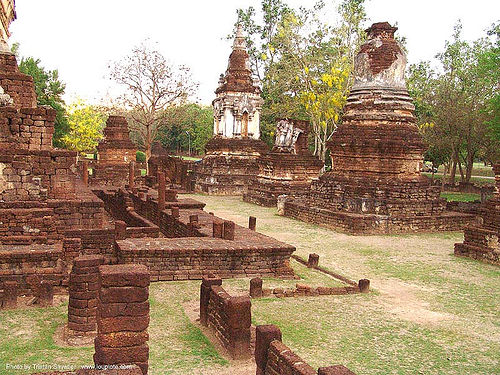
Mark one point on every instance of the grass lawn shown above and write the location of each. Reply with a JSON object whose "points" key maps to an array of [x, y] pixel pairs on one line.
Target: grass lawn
{"points": [[453, 196], [479, 169], [429, 312], [480, 181]]}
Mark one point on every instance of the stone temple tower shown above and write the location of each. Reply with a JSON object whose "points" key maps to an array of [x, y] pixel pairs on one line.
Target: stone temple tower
{"points": [[375, 184], [238, 102], [231, 157]]}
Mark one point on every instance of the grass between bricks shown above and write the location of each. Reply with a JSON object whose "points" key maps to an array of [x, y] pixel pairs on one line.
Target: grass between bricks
{"points": [[430, 312]]}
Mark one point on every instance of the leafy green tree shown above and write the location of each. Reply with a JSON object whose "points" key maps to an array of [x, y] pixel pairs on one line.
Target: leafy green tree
{"points": [[49, 91], [455, 107], [86, 124], [187, 126], [304, 63]]}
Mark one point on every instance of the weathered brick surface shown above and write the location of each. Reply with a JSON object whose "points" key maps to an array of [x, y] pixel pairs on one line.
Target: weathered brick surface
{"points": [[19, 86], [83, 293], [481, 242], [285, 170], [272, 357], [122, 316], [115, 152], [229, 166], [229, 317], [375, 185]]}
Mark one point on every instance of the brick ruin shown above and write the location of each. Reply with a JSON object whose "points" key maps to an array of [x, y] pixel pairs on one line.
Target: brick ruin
{"points": [[481, 241], [275, 358], [229, 317], [288, 169], [230, 161], [375, 185], [178, 172], [115, 152], [40, 193], [49, 215]]}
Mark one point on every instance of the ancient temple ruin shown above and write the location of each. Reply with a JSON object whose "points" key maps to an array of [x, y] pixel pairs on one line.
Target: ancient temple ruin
{"points": [[41, 196], [375, 184], [115, 152], [230, 162], [482, 241], [288, 169]]}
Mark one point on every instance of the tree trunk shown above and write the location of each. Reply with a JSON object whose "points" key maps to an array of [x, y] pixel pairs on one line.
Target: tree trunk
{"points": [[469, 165], [453, 172]]}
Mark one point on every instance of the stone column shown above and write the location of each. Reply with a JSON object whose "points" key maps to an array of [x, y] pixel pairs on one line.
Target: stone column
{"points": [[218, 229], [83, 293], [85, 172], [175, 212], [313, 260], [264, 335], [256, 287], [252, 222], [131, 175], [161, 191], [239, 311], [206, 285], [364, 285], [229, 227], [123, 316]]}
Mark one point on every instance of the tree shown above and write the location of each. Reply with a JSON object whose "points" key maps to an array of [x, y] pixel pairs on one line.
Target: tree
{"points": [[152, 85], [455, 106], [49, 90], [305, 63], [189, 118], [86, 124]]}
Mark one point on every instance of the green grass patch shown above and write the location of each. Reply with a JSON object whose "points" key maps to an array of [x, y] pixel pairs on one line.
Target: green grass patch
{"points": [[452, 196]]}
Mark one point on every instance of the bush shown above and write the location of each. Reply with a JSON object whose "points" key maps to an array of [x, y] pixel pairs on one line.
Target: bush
{"points": [[140, 157]]}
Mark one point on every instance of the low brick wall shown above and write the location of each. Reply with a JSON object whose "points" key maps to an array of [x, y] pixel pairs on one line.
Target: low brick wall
{"points": [[229, 317], [357, 223], [83, 293], [123, 316], [272, 357], [195, 257], [21, 263]]}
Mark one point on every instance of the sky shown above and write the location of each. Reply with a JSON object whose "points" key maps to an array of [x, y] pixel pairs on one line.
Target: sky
{"points": [[81, 38]]}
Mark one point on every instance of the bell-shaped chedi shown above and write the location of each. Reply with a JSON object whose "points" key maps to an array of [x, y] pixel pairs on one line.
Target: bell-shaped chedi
{"points": [[230, 163], [288, 169], [482, 241], [375, 184]]}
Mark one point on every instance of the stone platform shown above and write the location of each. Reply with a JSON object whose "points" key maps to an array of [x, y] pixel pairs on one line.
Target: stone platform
{"points": [[229, 166]]}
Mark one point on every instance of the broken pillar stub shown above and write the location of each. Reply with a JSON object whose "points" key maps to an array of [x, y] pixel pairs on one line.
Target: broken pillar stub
{"points": [[175, 212], [161, 191], [256, 287], [206, 285], [131, 175], [83, 293], [85, 172], [218, 229], [123, 316], [335, 370], [364, 285], [10, 292], [264, 335], [252, 222], [239, 313], [46, 296], [313, 260], [228, 233], [120, 230], [193, 219]]}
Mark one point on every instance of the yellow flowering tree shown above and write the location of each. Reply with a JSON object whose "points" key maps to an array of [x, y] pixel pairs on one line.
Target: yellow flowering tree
{"points": [[86, 123]]}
